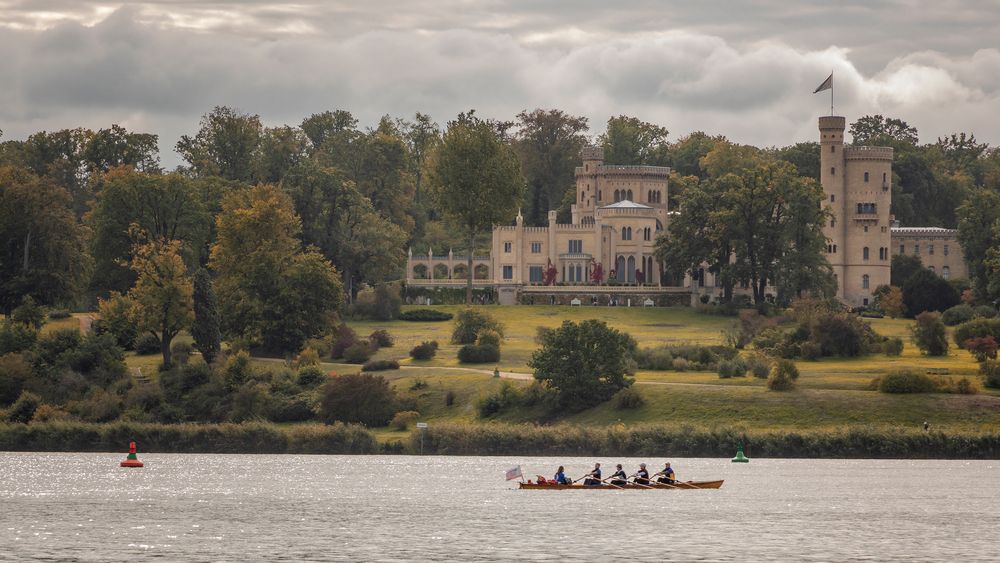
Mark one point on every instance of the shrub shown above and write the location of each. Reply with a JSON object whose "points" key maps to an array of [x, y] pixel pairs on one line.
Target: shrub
{"points": [[505, 397], [343, 338], [363, 398], [958, 315], [310, 376], [628, 398], [810, 351], [29, 312], [16, 337], [983, 348], [309, 356], [239, 371], [117, 318], [758, 365], [295, 408], [925, 291], [783, 375], [929, 334], [966, 386], [470, 323], [403, 419], [56, 314], [49, 413], [991, 373], [181, 352], [425, 350], [380, 365], [23, 409], [449, 398], [474, 354], [985, 311], [679, 364], [358, 353], [418, 384], [15, 370], [381, 338], [147, 344], [977, 328], [425, 315], [100, 406], [659, 359], [906, 381], [489, 337], [732, 368], [841, 334], [893, 346]]}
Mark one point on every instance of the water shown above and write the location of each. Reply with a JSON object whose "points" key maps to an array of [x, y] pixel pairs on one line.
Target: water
{"points": [[245, 507]]}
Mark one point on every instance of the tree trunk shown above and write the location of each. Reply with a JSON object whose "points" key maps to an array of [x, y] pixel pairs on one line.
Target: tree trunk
{"points": [[165, 349], [468, 280], [27, 246]]}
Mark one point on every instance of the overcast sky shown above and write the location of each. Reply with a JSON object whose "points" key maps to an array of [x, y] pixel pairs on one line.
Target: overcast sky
{"points": [[745, 70]]}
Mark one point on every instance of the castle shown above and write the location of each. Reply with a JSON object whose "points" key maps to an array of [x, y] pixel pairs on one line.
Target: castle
{"points": [[621, 209]]}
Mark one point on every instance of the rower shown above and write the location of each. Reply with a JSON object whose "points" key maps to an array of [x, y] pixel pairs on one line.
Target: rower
{"points": [[667, 475], [560, 477], [594, 477], [618, 478], [642, 476]]}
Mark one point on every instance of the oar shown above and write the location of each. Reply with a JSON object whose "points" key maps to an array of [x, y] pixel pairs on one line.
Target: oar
{"points": [[638, 484], [605, 481]]}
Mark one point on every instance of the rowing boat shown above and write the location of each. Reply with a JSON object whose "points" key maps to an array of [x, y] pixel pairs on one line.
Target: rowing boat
{"points": [[549, 486]]}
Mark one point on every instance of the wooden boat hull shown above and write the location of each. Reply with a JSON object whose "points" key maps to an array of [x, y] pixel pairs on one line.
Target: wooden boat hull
{"points": [[679, 486]]}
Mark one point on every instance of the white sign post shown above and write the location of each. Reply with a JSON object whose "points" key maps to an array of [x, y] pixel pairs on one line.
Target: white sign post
{"points": [[423, 431]]}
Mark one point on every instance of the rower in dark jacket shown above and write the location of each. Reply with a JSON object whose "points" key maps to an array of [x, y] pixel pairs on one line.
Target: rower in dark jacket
{"points": [[594, 477], [618, 477], [667, 475], [642, 476]]}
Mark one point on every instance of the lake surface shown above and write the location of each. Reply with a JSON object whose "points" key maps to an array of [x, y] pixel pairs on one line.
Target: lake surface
{"points": [[267, 507]]}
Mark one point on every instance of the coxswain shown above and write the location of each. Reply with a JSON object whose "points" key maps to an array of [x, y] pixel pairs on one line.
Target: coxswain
{"points": [[642, 476], [594, 477], [667, 476], [618, 478], [560, 477]]}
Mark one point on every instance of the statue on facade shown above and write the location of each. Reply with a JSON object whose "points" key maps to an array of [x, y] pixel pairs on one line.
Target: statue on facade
{"points": [[596, 272], [549, 277]]}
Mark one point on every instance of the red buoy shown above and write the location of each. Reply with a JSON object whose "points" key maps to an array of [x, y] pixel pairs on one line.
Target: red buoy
{"points": [[132, 460]]}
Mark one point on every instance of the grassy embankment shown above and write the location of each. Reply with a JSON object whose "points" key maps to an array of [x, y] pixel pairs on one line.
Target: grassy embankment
{"points": [[832, 393]]}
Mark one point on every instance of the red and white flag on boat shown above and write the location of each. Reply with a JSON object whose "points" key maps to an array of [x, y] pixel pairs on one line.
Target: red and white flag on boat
{"points": [[514, 473]]}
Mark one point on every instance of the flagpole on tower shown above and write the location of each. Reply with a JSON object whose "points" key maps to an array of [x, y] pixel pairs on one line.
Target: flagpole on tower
{"points": [[827, 85]]}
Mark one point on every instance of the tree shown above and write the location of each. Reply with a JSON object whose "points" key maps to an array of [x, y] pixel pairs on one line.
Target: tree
{"points": [[162, 292], [902, 267], [318, 127], [929, 334], [114, 147], [804, 156], [470, 323], [629, 140], [163, 207], [926, 291], [879, 130], [271, 291], [477, 180], [586, 363], [422, 136], [977, 216], [548, 142], [281, 148], [891, 301], [205, 328], [44, 248], [357, 397], [686, 154], [226, 144]]}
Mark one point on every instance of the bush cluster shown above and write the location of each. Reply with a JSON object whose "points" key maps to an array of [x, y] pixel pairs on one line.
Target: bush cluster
{"points": [[425, 350], [425, 315], [910, 381], [381, 303], [476, 354], [147, 344], [821, 332], [929, 334], [470, 323], [683, 357], [56, 314], [379, 365], [783, 376], [628, 398]]}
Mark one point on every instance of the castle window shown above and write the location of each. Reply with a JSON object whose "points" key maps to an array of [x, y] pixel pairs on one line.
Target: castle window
{"points": [[866, 177], [883, 178], [535, 274], [629, 195], [902, 249], [835, 249], [833, 198], [916, 250], [507, 246], [946, 250], [508, 272], [832, 148], [866, 228], [946, 272], [864, 253], [576, 247], [833, 171], [536, 248], [867, 208], [865, 280], [833, 222], [599, 196], [930, 249], [626, 233]]}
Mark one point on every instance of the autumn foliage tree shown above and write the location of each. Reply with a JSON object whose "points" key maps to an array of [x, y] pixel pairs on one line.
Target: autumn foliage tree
{"points": [[163, 292]]}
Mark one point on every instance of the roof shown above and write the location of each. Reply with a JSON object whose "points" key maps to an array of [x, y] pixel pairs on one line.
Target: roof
{"points": [[626, 204], [923, 231]]}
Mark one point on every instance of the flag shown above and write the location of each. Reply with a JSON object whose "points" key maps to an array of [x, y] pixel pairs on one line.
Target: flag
{"points": [[514, 473], [826, 85]]}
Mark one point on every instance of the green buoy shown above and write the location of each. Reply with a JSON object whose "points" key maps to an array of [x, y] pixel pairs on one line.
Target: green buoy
{"points": [[740, 458]]}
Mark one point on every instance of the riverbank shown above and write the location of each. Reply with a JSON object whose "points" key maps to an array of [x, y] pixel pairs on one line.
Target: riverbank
{"points": [[500, 439]]}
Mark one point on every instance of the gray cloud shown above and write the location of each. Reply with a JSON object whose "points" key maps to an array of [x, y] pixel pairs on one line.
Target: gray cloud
{"points": [[744, 70]]}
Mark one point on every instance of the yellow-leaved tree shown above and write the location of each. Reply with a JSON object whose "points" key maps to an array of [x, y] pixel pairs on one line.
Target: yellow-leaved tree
{"points": [[163, 292]]}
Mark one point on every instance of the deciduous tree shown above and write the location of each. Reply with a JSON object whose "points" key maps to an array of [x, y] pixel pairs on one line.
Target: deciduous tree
{"points": [[162, 294]]}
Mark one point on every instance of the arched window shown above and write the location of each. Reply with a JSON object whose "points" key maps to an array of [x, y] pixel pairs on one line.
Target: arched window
{"points": [[946, 272], [599, 196], [864, 253], [631, 269], [618, 196], [865, 281], [866, 177], [620, 268], [629, 197]]}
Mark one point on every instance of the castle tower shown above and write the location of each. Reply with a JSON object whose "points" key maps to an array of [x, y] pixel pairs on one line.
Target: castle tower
{"points": [[857, 184]]}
